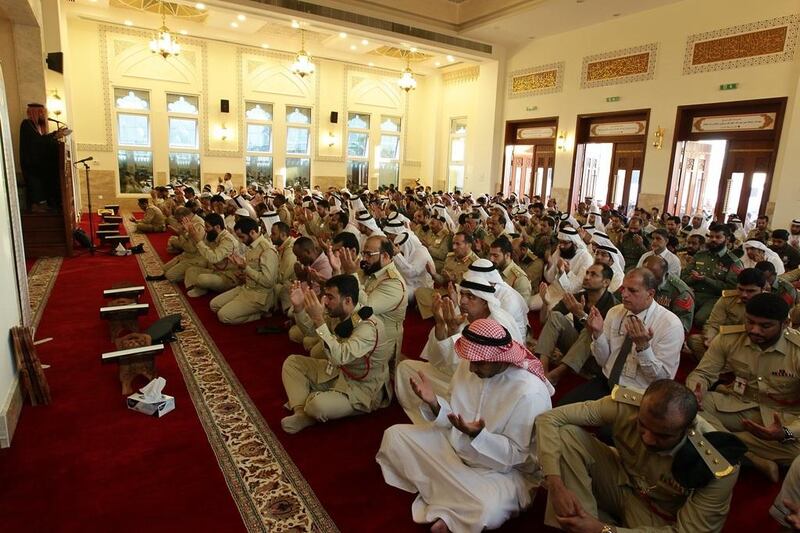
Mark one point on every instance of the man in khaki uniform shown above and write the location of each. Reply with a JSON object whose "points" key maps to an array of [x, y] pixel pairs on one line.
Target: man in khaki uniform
{"points": [[354, 375], [216, 249], [532, 264], [439, 244], [153, 220], [455, 266], [259, 268], [728, 311], [281, 238], [175, 269], [793, 277], [762, 405], [665, 473], [500, 254]]}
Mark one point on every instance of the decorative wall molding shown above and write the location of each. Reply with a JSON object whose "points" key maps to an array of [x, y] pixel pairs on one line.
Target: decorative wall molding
{"points": [[464, 75], [758, 43], [618, 67], [543, 79]]}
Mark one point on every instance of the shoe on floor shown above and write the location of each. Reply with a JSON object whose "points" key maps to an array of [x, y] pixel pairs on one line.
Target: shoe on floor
{"points": [[194, 292]]}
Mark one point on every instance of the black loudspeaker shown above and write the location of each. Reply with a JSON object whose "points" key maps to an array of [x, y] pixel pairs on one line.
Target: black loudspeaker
{"points": [[334, 117], [55, 61], [224, 106]]}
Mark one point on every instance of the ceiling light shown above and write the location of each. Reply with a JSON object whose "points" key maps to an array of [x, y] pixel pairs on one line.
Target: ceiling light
{"points": [[450, 59], [295, 24], [353, 47], [164, 44], [342, 35], [200, 5], [264, 45], [234, 25], [407, 81], [241, 17], [128, 23], [413, 49], [303, 66], [364, 42], [438, 64], [370, 64], [184, 32]]}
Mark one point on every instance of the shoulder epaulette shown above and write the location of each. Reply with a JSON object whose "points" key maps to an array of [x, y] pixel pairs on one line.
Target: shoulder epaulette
{"points": [[730, 292], [450, 254], [731, 328], [792, 335], [714, 460], [626, 395]]}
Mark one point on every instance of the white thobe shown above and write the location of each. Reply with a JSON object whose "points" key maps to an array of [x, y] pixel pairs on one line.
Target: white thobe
{"points": [[470, 483], [572, 281], [794, 240], [513, 302], [673, 262], [770, 256], [413, 269], [661, 358]]}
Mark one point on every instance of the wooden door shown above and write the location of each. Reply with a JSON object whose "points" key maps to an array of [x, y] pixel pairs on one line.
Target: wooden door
{"points": [[745, 179], [626, 175], [543, 172], [521, 173]]}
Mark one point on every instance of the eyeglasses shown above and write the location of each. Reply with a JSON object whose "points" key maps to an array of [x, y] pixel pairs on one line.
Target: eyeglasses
{"points": [[370, 254]]}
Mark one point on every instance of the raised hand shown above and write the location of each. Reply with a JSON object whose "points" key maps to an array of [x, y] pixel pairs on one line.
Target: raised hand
{"points": [[349, 260], [296, 296], [543, 291], [698, 394], [594, 322], [453, 318], [424, 390], [563, 265], [771, 432], [638, 332], [334, 260], [574, 305], [452, 293], [471, 429], [314, 308]]}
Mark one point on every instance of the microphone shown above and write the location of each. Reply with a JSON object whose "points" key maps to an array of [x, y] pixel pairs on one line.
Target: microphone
{"points": [[85, 159], [56, 121]]}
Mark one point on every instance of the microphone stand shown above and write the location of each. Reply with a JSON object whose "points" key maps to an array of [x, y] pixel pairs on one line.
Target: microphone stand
{"points": [[91, 214]]}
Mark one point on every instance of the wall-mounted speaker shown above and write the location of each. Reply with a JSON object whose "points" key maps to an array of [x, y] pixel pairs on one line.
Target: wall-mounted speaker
{"points": [[224, 106], [55, 61], [334, 117]]}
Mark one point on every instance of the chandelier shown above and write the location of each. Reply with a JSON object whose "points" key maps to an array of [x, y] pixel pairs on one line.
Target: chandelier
{"points": [[164, 44], [302, 66], [407, 81]]}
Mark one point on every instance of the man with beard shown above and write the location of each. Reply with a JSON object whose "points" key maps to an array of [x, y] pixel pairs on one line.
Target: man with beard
{"points": [[761, 405], [257, 274], [153, 219], [790, 256], [456, 264], [352, 376], [284, 243], [566, 268], [794, 234], [439, 245], [38, 152], [694, 243], [500, 253], [452, 314], [669, 470], [184, 245], [216, 248], [761, 232], [710, 272], [530, 261], [673, 227], [339, 222], [615, 229], [634, 244]]}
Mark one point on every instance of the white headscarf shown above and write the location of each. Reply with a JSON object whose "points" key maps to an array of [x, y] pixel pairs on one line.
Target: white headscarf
{"points": [[568, 233], [269, 219], [486, 292], [365, 219], [601, 239], [769, 255], [441, 211], [483, 271]]}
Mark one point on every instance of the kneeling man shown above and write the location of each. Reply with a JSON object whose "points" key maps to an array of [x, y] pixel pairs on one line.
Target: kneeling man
{"points": [[353, 377], [471, 460]]}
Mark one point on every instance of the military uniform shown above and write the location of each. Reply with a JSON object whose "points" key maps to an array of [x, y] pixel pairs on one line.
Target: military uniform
{"points": [[793, 278], [152, 221], [756, 234], [221, 274], [720, 269], [175, 269], [631, 250], [354, 375], [385, 292], [727, 311], [615, 235], [518, 279], [766, 382], [425, 236], [676, 296], [286, 275], [439, 247], [456, 268], [285, 215], [630, 482], [533, 266], [246, 302]]}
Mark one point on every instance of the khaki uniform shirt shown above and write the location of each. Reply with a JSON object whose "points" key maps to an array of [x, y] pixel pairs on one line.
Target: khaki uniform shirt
{"points": [[518, 279], [285, 215], [759, 235], [261, 271], [676, 296], [439, 247], [456, 268], [533, 266], [385, 292], [359, 363], [647, 473], [616, 235], [728, 311], [286, 262], [768, 380], [155, 217], [186, 243], [218, 251]]}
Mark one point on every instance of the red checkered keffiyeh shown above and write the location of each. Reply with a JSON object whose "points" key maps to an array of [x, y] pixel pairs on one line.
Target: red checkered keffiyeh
{"points": [[487, 340]]}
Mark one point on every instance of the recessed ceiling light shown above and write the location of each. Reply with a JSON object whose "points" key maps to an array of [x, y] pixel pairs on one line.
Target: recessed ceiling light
{"points": [[184, 32], [451, 59], [295, 24], [128, 23], [413, 49], [371, 64], [438, 64], [241, 17], [234, 25], [364, 42], [353, 47], [200, 5], [342, 35], [264, 45]]}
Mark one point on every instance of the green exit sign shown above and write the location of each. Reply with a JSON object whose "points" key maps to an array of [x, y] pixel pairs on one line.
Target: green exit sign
{"points": [[531, 108], [728, 86], [612, 99]]}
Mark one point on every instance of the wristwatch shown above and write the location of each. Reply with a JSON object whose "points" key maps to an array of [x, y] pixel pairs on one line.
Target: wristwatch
{"points": [[607, 529], [788, 436]]}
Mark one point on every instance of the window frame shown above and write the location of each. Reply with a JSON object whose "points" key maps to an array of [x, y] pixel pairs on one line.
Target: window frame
{"points": [[288, 109], [170, 115], [454, 135], [133, 148], [270, 154]]}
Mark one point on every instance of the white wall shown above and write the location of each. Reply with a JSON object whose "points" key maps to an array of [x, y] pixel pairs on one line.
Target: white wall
{"points": [[668, 26]]}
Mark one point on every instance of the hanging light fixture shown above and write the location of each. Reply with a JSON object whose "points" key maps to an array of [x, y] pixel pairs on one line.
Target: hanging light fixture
{"points": [[407, 81], [164, 44], [303, 66]]}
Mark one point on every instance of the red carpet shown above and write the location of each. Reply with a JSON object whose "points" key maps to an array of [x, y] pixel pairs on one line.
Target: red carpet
{"points": [[337, 458], [88, 463]]}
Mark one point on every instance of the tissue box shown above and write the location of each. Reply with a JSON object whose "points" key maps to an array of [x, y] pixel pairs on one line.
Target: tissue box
{"points": [[158, 409]]}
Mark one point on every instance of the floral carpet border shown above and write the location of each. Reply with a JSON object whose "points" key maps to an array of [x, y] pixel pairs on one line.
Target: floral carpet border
{"points": [[268, 488], [41, 280]]}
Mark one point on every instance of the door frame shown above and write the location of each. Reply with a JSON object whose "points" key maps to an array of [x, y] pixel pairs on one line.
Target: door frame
{"points": [[582, 124], [683, 118], [510, 138]]}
